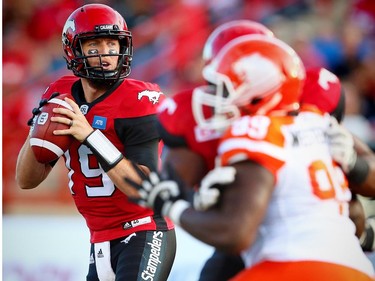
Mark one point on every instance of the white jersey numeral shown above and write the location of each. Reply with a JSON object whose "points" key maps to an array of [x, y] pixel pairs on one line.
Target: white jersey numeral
{"points": [[103, 184]]}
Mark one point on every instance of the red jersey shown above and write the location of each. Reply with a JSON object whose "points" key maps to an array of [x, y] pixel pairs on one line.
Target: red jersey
{"points": [[126, 115], [323, 89], [179, 128]]}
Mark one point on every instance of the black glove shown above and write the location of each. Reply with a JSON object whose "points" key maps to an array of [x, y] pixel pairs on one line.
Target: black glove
{"points": [[164, 194], [37, 110]]}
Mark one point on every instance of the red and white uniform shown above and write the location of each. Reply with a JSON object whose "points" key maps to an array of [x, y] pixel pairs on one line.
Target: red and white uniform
{"points": [[322, 89], [181, 130], [127, 117], [307, 217]]}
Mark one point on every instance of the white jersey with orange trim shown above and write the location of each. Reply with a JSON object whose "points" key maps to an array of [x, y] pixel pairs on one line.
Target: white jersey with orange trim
{"points": [[307, 217]]}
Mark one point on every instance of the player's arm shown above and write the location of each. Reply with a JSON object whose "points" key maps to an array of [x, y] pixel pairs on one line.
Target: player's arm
{"points": [[362, 148], [355, 157], [189, 166], [29, 172], [232, 224], [357, 215], [365, 152], [367, 186], [110, 158], [190, 169], [145, 154]]}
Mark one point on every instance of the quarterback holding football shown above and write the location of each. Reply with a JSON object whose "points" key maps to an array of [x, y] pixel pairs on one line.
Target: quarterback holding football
{"points": [[108, 120]]}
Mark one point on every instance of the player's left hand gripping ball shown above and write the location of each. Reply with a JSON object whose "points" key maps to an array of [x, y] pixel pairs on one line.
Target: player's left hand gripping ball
{"points": [[46, 146]]}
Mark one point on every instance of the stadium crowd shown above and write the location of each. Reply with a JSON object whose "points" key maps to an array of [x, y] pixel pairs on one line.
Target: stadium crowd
{"points": [[168, 40]]}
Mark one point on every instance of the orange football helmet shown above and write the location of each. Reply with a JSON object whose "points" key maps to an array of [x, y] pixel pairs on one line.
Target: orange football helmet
{"points": [[252, 74]]}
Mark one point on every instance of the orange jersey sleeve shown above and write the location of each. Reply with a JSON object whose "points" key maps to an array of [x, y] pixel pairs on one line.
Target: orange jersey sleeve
{"points": [[256, 138]]}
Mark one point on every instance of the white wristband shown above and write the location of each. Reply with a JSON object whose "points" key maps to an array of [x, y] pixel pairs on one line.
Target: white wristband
{"points": [[177, 209], [103, 148]]}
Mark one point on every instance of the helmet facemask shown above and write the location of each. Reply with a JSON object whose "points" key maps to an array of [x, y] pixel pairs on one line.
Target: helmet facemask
{"points": [[81, 67], [93, 21], [254, 74], [212, 104]]}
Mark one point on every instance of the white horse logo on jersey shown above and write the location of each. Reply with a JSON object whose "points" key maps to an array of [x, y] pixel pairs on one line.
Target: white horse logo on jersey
{"points": [[153, 96]]}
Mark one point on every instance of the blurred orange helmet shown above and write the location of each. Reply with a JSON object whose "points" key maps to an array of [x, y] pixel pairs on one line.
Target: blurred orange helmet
{"points": [[229, 31], [252, 74]]}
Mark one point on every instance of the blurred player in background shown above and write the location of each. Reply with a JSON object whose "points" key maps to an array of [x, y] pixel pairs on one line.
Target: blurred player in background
{"points": [[113, 122], [188, 143], [191, 150], [323, 89], [287, 210]]}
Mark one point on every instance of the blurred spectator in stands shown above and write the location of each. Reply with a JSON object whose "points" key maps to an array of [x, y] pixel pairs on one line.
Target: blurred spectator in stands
{"points": [[354, 120], [169, 36], [36, 29], [177, 45], [363, 12]]}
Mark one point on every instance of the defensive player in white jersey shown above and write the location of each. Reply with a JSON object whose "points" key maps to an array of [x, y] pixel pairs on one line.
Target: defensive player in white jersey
{"points": [[323, 89], [287, 210]]}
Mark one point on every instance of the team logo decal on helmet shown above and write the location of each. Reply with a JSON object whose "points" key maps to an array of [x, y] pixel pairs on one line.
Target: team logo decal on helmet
{"points": [[94, 21], [69, 24]]}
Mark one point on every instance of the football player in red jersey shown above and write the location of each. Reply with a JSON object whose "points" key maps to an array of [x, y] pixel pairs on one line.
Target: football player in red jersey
{"points": [[193, 141], [188, 143], [287, 197], [113, 122], [323, 89]]}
